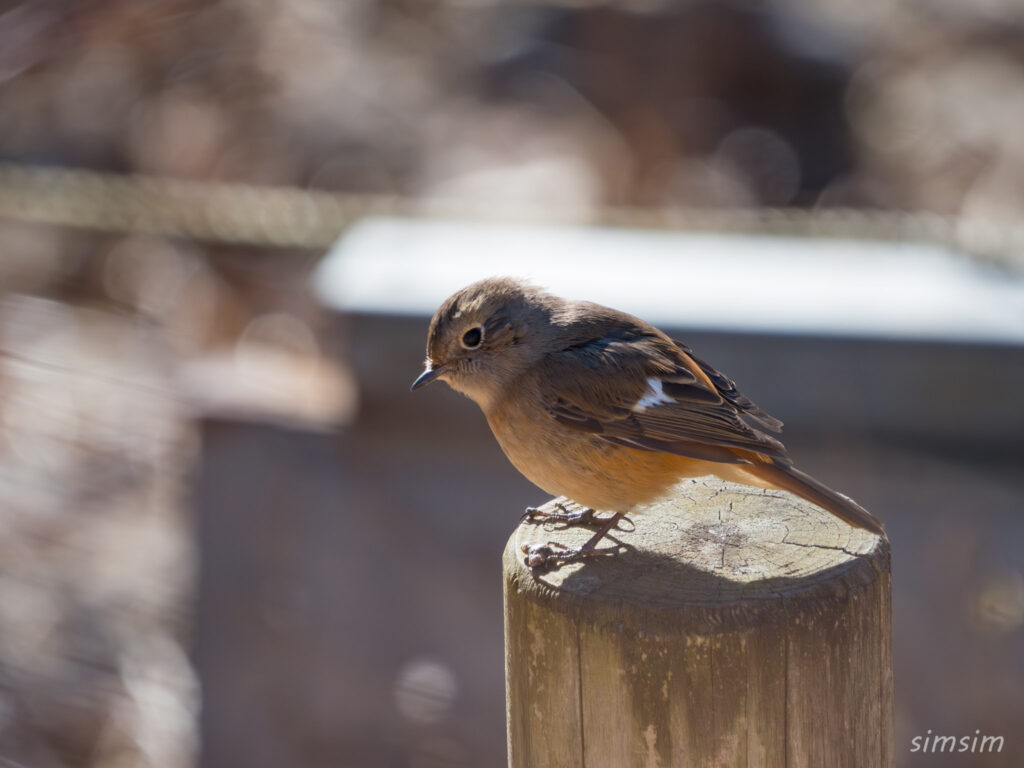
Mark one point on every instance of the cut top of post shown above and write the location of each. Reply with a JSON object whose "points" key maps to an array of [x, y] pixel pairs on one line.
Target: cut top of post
{"points": [[710, 555]]}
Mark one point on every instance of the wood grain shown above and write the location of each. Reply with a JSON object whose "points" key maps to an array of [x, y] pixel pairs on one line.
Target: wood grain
{"points": [[731, 627]]}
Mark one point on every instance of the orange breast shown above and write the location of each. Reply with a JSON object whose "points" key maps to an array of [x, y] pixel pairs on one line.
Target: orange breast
{"points": [[585, 468]]}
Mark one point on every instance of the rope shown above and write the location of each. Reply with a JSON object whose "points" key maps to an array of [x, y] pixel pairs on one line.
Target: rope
{"points": [[292, 217]]}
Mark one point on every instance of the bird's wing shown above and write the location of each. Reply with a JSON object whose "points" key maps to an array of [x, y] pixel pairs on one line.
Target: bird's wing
{"points": [[647, 392], [727, 388]]}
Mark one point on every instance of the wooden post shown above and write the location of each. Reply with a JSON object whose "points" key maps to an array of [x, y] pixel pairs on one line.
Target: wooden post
{"points": [[736, 627]]}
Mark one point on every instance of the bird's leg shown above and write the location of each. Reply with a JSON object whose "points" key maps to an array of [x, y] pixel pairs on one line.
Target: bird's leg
{"points": [[580, 517], [542, 555]]}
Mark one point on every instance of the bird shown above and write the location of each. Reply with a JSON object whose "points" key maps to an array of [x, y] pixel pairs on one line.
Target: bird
{"points": [[603, 408]]}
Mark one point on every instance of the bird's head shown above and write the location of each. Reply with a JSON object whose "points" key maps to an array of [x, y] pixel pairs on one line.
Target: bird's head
{"points": [[485, 336]]}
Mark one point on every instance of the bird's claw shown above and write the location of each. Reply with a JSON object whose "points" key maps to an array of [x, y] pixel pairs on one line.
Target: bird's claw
{"points": [[541, 555], [545, 555], [579, 517]]}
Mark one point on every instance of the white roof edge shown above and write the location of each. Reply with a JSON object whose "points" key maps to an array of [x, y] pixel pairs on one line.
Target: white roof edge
{"points": [[752, 283]]}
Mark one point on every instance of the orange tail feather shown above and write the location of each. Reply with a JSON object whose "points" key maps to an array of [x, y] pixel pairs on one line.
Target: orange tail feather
{"points": [[803, 485]]}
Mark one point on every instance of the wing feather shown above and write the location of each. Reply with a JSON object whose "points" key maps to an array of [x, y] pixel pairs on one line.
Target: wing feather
{"points": [[693, 410]]}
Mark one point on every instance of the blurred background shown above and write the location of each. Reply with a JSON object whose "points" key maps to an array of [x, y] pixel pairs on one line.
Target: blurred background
{"points": [[228, 536]]}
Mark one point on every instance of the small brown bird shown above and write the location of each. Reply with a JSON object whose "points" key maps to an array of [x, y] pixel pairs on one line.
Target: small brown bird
{"points": [[598, 406]]}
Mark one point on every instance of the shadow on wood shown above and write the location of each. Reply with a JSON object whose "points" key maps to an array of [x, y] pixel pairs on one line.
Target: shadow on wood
{"points": [[733, 627]]}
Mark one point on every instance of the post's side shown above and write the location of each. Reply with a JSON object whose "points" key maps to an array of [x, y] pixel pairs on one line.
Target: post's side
{"points": [[734, 627]]}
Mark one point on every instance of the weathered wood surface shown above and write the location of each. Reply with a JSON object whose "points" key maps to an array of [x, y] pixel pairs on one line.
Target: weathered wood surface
{"points": [[735, 627]]}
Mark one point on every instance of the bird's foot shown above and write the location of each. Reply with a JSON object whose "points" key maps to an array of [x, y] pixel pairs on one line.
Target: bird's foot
{"points": [[540, 556], [564, 515], [545, 555]]}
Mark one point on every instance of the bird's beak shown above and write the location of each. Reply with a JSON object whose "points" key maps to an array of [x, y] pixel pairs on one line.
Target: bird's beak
{"points": [[428, 375]]}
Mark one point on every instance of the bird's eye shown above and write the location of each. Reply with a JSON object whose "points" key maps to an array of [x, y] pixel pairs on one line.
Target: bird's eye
{"points": [[471, 339]]}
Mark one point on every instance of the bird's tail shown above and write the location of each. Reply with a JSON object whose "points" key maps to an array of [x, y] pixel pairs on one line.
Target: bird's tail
{"points": [[790, 479]]}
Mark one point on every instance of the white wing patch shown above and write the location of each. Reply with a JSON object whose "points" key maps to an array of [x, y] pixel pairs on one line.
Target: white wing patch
{"points": [[655, 395]]}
